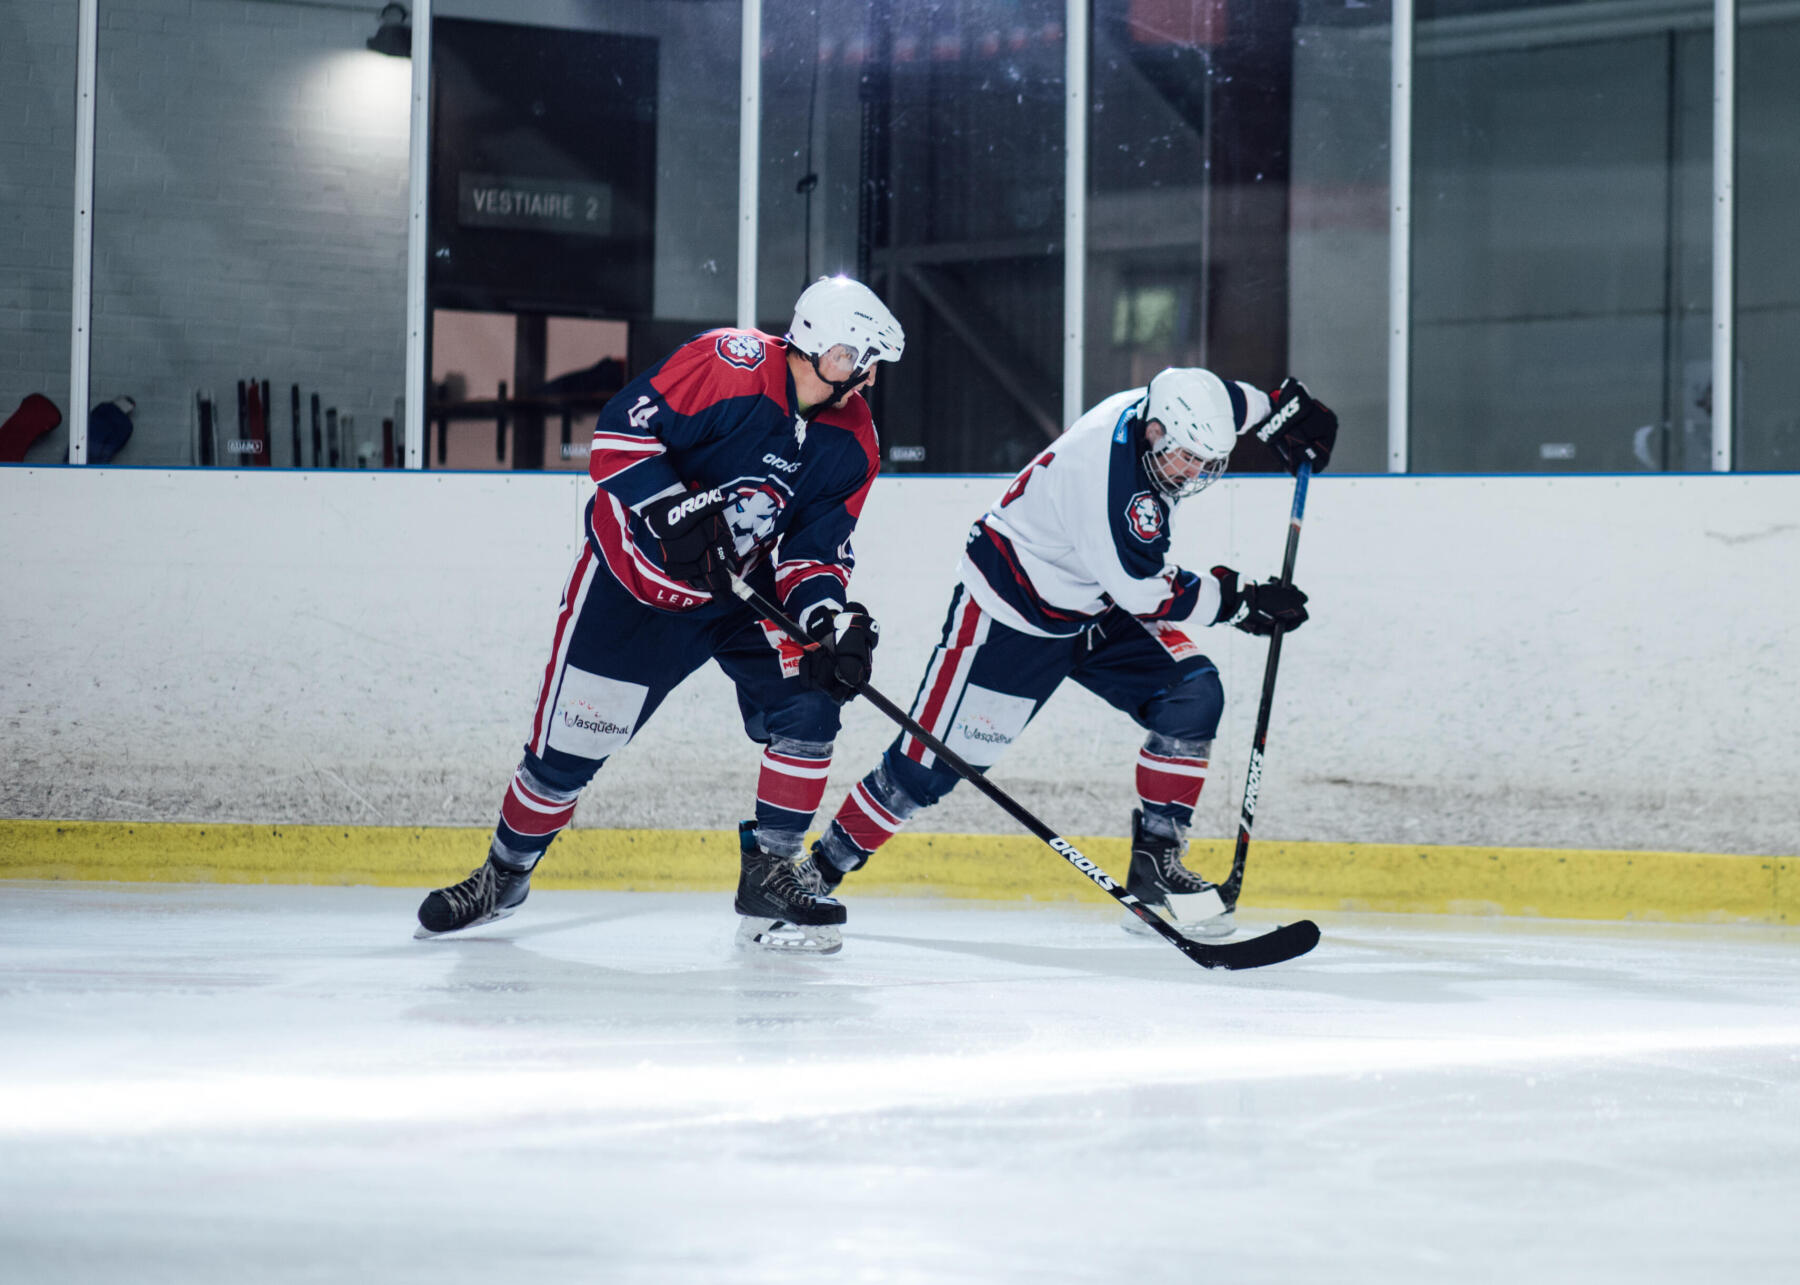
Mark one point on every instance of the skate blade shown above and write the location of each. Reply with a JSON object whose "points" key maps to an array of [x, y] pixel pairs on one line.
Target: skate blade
{"points": [[422, 933], [1196, 924], [781, 937]]}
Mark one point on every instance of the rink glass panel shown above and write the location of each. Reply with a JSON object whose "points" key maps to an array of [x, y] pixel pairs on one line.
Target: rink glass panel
{"points": [[953, 119], [251, 191], [1767, 187], [1561, 239], [37, 176], [611, 141], [1237, 203]]}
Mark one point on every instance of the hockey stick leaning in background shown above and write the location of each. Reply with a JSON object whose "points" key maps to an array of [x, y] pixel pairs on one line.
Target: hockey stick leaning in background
{"points": [[1228, 891], [1282, 944]]}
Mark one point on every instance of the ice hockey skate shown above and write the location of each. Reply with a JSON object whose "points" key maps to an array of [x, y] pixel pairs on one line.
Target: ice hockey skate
{"points": [[1189, 904], [783, 904], [492, 891]]}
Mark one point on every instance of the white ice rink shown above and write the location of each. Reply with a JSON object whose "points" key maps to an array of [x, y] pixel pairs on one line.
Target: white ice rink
{"points": [[230, 1084]]}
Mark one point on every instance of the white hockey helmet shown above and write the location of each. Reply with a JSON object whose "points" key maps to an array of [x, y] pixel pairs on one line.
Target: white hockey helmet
{"points": [[838, 310], [1194, 408]]}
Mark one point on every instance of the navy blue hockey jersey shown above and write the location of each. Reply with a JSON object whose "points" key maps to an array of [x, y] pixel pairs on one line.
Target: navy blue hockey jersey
{"points": [[721, 411]]}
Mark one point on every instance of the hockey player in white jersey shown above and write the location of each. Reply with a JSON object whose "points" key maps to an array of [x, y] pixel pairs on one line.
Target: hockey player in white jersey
{"points": [[1067, 576]]}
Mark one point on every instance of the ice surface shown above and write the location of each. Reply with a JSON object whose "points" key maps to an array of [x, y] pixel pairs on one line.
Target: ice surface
{"points": [[229, 1084]]}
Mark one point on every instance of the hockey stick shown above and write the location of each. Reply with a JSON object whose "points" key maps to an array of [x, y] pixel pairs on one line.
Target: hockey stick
{"points": [[1275, 947], [1228, 891]]}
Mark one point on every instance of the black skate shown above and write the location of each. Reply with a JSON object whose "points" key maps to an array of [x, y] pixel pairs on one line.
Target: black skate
{"points": [[1190, 904], [492, 891], [783, 902]]}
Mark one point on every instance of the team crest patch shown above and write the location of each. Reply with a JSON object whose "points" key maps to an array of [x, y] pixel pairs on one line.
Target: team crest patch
{"points": [[1145, 516], [741, 350]]}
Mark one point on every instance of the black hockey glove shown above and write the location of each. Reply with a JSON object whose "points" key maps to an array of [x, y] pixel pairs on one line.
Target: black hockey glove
{"points": [[696, 540], [1258, 608], [845, 656], [1299, 428]]}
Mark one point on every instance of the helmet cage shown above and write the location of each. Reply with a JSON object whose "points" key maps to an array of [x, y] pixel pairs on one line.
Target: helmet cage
{"points": [[1160, 459]]}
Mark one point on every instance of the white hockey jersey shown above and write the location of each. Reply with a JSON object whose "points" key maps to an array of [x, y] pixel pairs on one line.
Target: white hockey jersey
{"points": [[1083, 528]]}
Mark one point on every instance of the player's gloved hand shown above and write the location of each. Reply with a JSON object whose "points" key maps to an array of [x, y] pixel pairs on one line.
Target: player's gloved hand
{"points": [[1299, 428], [1258, 608], [696, 540], [845, 656]]}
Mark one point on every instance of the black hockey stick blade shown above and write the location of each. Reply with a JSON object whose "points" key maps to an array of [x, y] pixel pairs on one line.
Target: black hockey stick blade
{"points": [[1289, 941]]}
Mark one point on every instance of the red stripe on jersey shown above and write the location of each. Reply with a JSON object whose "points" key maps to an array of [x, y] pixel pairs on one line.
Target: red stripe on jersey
{"points": [[525, 813], [790, 574], [949, 668], [1170, 780], [610, 454], [868, 824], [572, 593], [696, 376], [793, 784], [1004, 547], [640, 577]]}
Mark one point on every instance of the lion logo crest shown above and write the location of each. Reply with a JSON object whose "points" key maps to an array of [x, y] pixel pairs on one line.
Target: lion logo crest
{"points": [[1145, 516]]}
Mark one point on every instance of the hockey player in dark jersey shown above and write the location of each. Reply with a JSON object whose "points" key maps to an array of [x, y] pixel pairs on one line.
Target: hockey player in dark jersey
{"points": [[1066, 576], [739, 451]]}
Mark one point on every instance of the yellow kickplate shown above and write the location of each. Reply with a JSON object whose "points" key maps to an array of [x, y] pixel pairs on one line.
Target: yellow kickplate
{"points": [[1674, 886]]}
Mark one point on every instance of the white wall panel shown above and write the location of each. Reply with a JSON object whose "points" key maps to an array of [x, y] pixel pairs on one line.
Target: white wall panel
{"points": [[1586, 661]]}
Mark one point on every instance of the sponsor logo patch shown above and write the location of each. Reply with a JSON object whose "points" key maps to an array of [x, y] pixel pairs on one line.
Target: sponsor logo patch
{"points": [[1144, 516], [746, 352], [986, 723], [594, 715]]}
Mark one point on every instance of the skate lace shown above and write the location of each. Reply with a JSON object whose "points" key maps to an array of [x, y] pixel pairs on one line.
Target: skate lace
{"points": [[1177, 877], [810, 877], [785, 881], [474, 895]]}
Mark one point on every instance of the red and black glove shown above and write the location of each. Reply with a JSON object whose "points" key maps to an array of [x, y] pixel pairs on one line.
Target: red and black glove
{"points": [[1258, 608], [1300, 428], [845, 656], [696, 540]]}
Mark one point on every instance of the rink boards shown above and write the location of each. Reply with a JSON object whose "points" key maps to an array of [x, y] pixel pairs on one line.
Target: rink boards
{"points": [[1515, 692]]}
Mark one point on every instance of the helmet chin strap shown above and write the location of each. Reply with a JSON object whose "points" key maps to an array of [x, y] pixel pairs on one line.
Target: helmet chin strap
{"points": [[838, 386]]}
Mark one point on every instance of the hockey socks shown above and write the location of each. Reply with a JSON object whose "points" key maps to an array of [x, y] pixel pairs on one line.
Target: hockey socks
{"points": [[532, 814], [871, 814], [788, 791], [1170, 774]]}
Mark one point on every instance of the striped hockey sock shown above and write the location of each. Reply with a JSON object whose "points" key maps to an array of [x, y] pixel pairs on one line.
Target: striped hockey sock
{"points": [[1170, 774], [532, 814], [788, 791]]}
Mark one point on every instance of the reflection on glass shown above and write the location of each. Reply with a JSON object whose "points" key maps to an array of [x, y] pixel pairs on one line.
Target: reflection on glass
{"points": [[37, 182], [1561, 238], [1767, 188], [920, 148], [583, 217], [1237, 202], [249, 237]]}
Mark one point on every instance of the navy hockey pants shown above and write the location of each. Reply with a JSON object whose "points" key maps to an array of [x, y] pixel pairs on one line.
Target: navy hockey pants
{"points": [[612, 663], [986, 682]]}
